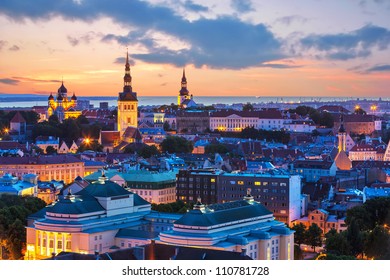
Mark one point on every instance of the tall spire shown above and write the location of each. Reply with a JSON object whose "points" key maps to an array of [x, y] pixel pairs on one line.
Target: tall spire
{"points": [[184, 91], [127, 77]]}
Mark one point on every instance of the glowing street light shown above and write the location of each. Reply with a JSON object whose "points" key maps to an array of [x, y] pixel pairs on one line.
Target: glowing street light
{"points": [[87, 141], [6, 130]]}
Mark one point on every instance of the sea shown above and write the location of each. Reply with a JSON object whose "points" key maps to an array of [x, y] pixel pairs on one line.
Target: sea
{"points": [[29, 100]]}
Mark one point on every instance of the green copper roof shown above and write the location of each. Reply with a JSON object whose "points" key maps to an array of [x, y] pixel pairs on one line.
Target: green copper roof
{"points": [[217, 214], [103, 189], [74, 205], [137, 176]]}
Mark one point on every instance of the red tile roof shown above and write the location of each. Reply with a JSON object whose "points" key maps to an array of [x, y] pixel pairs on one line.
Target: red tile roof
{"points": [[18, 118], [40, 160]]}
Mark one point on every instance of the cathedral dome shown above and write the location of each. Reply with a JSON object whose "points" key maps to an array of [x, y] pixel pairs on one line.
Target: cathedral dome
{"points": [[62, 89], [74, 97], [51, 97]]}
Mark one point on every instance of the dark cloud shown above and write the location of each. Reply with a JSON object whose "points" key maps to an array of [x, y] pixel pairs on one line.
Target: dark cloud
{"points": [[8, 81], [345, 46], [14, 48], [86, 39], [224, 42], [122, 60], [242, 6], [379, 68], [193, 7]]}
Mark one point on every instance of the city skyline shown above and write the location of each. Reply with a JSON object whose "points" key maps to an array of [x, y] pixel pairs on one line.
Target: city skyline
{"points": [[228, 48]]}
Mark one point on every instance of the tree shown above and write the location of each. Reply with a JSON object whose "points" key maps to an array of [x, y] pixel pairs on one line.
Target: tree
{"points": [[355, 238], [360, 215], [148, 151], [176, 144], [326, 119], [91, 145], [377, 245], [166, 126], [70, 129], [247, 107], [300, 233], [50, 150], [13, 214], [54, 120], [336, 243], [313, 237], [360, 111], [216, 148]]}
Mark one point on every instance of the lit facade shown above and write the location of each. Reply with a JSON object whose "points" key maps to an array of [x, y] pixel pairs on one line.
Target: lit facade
{"points": [[63, 106], [184, 94], [127, 103], [54, 167], [238, 226], [154, 187]]}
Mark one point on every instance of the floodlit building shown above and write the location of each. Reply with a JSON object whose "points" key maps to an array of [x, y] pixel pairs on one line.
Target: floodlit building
{"points": [[243, 225]]}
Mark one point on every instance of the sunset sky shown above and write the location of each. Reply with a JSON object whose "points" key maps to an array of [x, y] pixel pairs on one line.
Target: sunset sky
{"points": [[228, 47]]}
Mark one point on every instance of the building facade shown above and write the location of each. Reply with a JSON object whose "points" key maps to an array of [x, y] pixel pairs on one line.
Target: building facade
{"points": [[54, 167], [239, 226], [63, 107], [277, 191], [193, 121], [154, 187]]}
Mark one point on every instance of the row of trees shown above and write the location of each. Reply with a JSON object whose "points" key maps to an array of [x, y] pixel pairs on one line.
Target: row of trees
{"points": [[319, 118], [69, 129], [14, 211]]}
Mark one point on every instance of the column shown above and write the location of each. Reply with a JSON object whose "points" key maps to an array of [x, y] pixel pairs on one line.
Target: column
{"points": [[41, 243]]}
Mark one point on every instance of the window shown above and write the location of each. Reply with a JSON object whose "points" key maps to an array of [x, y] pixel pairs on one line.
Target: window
{"points": [[59, 244], [240, 182], [212, 180], [257, 183]]}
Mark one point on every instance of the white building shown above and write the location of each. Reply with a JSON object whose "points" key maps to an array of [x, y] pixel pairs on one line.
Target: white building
{"points": [[236, 226]]}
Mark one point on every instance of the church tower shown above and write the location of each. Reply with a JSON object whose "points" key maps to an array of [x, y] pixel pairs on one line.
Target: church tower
{"points": [[127, 103], [183, 93], [342, 161], [342, 136]]}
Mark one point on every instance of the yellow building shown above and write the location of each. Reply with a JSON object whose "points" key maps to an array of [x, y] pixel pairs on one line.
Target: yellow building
{"points": [[54, 167], [127, 103], [63, 106]]}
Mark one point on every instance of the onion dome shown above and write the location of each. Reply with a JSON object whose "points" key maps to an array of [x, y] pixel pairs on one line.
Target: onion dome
{"points": [[59, 97], [51, 97], [62, 89], [73, 97]]}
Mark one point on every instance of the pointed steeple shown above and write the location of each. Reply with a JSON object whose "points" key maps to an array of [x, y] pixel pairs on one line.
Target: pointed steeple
{"points": [[342, 136], [184, 91], [127, 78]]}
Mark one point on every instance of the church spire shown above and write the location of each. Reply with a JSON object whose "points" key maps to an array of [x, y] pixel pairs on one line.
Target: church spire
{"points": [[342, 136], [127, 77]]}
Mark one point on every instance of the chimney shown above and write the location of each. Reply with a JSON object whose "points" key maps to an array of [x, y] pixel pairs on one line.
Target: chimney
{"points": [[243, 251]]}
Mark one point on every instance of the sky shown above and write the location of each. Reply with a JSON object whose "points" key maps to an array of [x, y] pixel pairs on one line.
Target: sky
{"points": [[227, 47]]}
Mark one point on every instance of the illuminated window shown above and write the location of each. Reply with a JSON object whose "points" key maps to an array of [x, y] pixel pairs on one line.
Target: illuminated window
{"points": [[212, 180], [257, 183], [240, 182]]}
